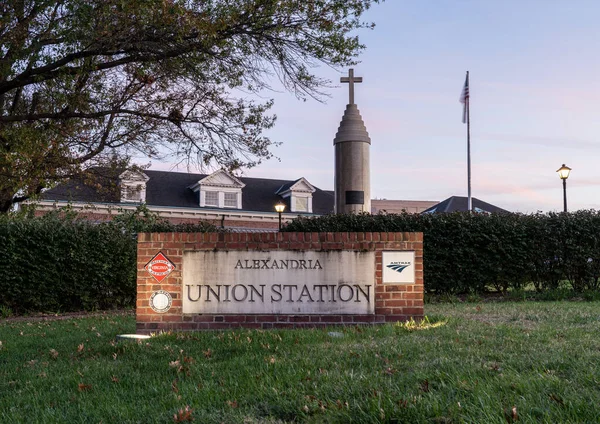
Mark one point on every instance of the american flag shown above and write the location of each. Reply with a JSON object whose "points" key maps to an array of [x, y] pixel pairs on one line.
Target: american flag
{"points": [[464, 98]]}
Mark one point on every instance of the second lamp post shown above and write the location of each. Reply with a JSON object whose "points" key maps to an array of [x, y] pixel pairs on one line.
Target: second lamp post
{"points": [[563, 173], [280, 207]]}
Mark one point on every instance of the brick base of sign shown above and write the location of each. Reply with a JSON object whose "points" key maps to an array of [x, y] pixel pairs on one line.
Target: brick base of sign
{"points": [[393, 302]]}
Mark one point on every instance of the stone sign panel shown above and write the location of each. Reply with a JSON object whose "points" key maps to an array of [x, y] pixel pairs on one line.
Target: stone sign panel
{"points": [[278, 282]]}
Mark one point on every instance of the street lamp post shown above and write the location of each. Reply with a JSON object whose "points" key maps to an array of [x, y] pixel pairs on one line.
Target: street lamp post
{"points": [[563, 173], [280, 207]]}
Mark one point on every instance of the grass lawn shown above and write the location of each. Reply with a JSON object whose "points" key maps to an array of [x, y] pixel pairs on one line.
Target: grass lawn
{"points": [[526, 362]]}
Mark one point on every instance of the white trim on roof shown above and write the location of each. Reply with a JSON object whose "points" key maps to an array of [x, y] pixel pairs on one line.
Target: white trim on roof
{"points": [[110, 209], [221, 178]]}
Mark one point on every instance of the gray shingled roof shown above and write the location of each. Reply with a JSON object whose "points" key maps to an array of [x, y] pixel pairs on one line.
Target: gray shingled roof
{"points": [[171, 189], [459, 204]]}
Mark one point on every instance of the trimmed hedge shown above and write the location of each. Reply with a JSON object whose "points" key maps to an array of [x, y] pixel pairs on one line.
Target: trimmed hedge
{"points": [[473, 253], [58, 263]]}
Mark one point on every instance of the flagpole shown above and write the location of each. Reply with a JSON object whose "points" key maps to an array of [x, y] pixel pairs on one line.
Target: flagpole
{"points": [[469, 199]]}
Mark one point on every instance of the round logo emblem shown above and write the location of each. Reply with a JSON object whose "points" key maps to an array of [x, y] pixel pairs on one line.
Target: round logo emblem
{"points": [[161, 301]]}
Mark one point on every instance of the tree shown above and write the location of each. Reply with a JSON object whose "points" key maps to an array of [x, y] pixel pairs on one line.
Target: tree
{"points": [[85, 81]]}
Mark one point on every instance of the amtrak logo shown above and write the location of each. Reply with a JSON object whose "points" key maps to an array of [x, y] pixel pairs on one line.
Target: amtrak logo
{"points": [[399, 266]]}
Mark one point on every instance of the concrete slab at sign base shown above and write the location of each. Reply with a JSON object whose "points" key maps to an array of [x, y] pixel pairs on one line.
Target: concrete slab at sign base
{"points": [[132, 337], [277, 280]]}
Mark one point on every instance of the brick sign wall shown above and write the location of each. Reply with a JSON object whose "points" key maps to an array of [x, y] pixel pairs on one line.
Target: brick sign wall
{"points": [[198, 281]]}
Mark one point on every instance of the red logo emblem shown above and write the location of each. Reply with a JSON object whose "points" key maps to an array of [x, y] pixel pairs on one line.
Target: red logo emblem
{"points": [[159, 267]]}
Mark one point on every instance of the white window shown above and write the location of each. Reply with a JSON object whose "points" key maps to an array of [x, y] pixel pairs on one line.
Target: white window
{"points": [[211, 198], [231, 200], [301, 204], [132, 193]]}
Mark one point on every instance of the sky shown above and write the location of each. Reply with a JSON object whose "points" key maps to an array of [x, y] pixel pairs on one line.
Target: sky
{"points": [[535, 104]]}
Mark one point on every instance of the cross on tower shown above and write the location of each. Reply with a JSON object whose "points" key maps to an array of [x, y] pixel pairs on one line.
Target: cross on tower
{"points": [[350, 79]]}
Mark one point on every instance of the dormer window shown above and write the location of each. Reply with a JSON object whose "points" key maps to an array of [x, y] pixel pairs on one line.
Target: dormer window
{"points": [[230, 200], [211, 198], [301, 204], [133, 186], [299, 193], [219, 190], [132, 194]]}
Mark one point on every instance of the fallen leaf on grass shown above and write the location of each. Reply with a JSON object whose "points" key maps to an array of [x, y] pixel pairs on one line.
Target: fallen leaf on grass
{"points": [[114, 379], [495, 367], [174, 386], [183, 415], [174, 364], [233, 404], [207, 353], [80, 348], [424, 387], [53, 353], [512, 415], [556, 399], [341, 405], [390, 371], [84, 387]]}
